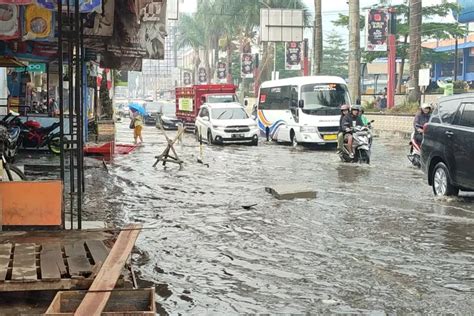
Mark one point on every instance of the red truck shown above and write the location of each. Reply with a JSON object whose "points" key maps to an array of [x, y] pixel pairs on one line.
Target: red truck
{"points": [[190, 99]]}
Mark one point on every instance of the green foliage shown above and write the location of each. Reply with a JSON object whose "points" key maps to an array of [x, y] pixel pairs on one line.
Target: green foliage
{"points": [[405, 108], [335, 56]]}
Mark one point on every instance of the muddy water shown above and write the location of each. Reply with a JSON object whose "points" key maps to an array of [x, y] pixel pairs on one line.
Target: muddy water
{"points": [[374, 240]]}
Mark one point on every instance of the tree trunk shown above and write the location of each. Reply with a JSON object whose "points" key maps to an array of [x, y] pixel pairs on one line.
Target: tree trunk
{"points": [[197, 62], [415, 49], [354, 50], [229, 60], [318, 38], [402, 67]]}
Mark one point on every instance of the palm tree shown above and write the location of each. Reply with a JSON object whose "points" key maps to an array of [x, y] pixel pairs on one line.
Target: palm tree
{"points": [[191, 35], [415, 49]]}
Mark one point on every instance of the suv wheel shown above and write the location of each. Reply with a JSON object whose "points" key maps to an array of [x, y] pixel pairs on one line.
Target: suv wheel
{"points": [[441, 181]]}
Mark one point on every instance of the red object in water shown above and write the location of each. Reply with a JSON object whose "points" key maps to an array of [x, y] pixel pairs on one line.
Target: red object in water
{"points": [[109, 149]]}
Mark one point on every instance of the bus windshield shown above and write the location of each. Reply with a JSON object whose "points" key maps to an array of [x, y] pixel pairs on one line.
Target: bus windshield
{"points": [[324, 98]]}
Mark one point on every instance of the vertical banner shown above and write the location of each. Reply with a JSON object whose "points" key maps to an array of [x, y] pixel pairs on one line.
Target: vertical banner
{"points": [[247, 61], [202, 75], [293, 55], [221, 71], [187, 78], [377, 30]]}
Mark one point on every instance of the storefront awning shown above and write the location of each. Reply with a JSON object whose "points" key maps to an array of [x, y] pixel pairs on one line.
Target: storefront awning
{"points": [[451, 48], [10, 62]]}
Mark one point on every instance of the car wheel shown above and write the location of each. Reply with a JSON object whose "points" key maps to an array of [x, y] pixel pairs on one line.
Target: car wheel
{"points": [[254, 142], [441, 181], [210, 140]]}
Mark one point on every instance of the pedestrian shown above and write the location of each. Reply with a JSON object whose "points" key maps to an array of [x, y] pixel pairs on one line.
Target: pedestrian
{"points": [[137, 125], [383, 101], [447, 85]]}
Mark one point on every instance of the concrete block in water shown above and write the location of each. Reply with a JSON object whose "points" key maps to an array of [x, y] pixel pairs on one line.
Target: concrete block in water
{"points": [[291, 191]]}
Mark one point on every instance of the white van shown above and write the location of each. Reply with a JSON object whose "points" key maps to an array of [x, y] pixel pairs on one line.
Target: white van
{"points": [[302, 109]]}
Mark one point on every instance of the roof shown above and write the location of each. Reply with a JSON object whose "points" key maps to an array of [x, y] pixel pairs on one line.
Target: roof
{"points": [[449, 45], [302, 81]]}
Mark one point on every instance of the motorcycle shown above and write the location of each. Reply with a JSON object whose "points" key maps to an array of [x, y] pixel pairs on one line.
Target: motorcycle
{"points": [[414, 155], [33, 135], [12, 173], [361, 145]]}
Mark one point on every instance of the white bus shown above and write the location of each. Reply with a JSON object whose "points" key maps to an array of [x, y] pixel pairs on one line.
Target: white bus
{"points": [[302, 109]]}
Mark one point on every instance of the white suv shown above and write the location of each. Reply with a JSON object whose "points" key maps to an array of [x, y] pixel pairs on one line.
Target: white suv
{"points": [[225, 123]]}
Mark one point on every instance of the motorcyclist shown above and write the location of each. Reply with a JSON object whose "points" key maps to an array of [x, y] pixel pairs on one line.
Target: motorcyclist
{"points": [[364, 118], [350, 121], [340, 135], [421, 118]]}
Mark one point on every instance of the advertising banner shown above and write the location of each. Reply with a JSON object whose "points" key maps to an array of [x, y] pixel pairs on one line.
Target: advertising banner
{"points": [[151, 15], [101, 24], [185, 104], [377, 30], [16, 2], [9, 22], [187, 79], [85, 6], [221, 71], [247, 65], [38, 23], [202, 75], [293, 55]]}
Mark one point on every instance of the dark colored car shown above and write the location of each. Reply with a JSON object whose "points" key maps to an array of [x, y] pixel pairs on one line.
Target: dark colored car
{"points": [[447, 151], [169, 121], [151, 119]]}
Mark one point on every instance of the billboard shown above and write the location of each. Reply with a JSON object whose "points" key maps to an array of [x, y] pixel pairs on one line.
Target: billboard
{"points": [[187, 78], [293, 54], [377, 30], [247, 65], [221, 71], [202, 75]]}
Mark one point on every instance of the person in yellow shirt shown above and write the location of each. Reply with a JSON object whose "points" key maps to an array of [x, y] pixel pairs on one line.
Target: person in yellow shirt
{"points": [[137, 120], [447, 85]]}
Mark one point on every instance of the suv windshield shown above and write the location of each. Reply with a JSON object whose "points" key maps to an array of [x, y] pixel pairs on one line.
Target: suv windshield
{"points": [[324, 98], [221, 98], [229, 114]]}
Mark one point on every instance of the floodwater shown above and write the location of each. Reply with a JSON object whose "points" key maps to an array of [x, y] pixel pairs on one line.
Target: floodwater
{"points": [[373, 241]]}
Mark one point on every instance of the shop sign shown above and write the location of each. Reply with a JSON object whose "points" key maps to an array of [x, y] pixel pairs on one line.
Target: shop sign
{"points": [[33, 67]]}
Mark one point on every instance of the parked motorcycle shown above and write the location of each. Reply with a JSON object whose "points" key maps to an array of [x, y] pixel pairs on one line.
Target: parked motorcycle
{"points": [[361, 145], [33, 135], [11, 172]]}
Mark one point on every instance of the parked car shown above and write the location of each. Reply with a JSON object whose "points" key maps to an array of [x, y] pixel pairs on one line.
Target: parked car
{"points": [[447, 150], [225, 123]]}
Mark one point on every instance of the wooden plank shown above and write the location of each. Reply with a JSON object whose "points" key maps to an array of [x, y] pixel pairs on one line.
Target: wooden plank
{"points": [[98, 251], [5, 251], [77, 261], [291, 191], [95, 302], [63, 284], [52, 262], [24, 263]]}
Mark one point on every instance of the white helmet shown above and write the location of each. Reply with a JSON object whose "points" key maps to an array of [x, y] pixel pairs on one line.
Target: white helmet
{"points": [[426, 106]]}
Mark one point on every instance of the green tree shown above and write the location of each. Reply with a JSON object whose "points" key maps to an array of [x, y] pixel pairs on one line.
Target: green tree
{"points": [[430, 29], [335, 55]]}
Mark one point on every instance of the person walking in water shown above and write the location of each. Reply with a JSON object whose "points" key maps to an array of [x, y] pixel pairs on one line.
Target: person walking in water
{"points": [[137, 123]]}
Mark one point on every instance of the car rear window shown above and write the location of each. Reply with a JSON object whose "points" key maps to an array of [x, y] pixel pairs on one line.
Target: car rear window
{"points": [[467, 117], [448, 110]]}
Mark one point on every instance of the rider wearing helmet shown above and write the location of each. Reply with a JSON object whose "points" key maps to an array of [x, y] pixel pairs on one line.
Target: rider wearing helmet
{"points": [[348, 122], [447, 85], [421, 119], [340, 135]]}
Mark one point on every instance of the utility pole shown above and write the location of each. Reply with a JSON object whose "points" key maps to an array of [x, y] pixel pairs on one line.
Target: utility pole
{"points": [[318, 37], [354, 49], [415, 50]]}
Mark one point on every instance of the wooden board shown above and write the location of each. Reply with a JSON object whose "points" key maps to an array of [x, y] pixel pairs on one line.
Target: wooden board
{"points": [[52, 262], [95, 302], [5, 251], [24, 263], [291, 191], [79, 265], [98, 251]]}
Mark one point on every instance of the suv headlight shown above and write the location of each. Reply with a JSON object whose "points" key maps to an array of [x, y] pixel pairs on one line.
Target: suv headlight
{"points": [[308, 129], [218, 127]]}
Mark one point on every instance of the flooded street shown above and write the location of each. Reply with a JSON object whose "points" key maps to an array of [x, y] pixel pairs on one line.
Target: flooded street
{"points": [[374, 240]]}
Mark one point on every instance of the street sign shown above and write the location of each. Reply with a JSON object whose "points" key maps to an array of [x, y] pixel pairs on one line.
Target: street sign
{"points": [[424, 77], [32, 67], [281, 25], [377, 30]]}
